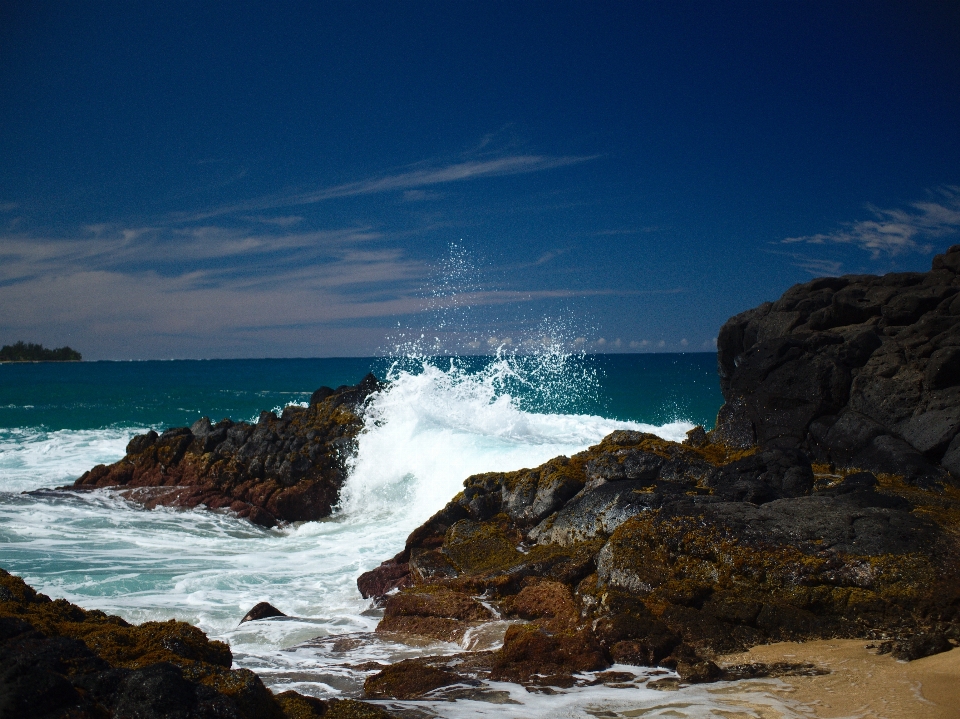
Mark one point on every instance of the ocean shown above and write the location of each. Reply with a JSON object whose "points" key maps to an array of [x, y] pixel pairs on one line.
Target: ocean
{"points": [[439, 420]]}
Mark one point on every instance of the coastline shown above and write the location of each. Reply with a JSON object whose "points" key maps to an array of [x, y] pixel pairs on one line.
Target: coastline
{"points": [[860, 683], [815, 509]]}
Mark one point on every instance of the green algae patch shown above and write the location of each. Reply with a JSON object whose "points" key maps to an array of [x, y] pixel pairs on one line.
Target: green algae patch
{"points": [[714, 453], [477, 547], [558, 470], [785, 593], [109, 637], [531, 654]]}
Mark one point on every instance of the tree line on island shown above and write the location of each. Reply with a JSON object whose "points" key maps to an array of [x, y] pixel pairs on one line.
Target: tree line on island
{"points": [[30, 352]]}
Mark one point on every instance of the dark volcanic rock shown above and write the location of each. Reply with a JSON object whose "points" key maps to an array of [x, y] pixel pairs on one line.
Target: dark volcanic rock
{"points": [[920, 646], [287, 468], [763, 477], [262, 610], [822, 505], [859, 371], [58, 660], [720, 549]]}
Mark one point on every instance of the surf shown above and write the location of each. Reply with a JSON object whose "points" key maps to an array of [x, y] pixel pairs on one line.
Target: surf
{"points": [[435, 422]]}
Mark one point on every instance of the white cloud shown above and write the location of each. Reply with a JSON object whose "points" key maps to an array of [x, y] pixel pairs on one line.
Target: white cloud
{"points": [[894, 231], [138, 289], [406, 181], [601, 342], [683, 342], [710, 343], [820, 267], [661, 343], [816, 266]]}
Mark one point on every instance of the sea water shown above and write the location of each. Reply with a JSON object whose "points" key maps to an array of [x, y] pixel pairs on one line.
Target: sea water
{"points": [[437, 421]]}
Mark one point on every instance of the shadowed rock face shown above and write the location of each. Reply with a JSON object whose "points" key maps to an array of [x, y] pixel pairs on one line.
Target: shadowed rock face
{"points": [[860, 371], [59, 661], [767, 528], [287, 468]]}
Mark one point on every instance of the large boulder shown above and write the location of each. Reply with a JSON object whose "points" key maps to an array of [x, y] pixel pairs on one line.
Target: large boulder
{"points": [[859, 371]]}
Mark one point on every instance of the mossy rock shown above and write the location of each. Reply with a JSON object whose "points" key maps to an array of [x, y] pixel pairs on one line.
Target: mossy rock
{"points": [[408, 679], [481, 547]]}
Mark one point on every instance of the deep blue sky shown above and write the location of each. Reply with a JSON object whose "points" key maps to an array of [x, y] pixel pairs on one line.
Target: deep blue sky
{"points": [[196, 179]]}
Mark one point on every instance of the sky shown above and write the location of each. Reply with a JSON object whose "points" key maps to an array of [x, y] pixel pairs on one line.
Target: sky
{"points": [[199, 179]]}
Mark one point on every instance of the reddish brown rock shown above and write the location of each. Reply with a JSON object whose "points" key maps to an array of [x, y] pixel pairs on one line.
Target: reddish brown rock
{"points": [[288, 468], [531, 653], [440, 613], [409, 679], [390, 575]]}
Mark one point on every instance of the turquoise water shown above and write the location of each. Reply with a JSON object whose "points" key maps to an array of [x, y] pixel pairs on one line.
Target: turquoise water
{"points": [[652, 388]]}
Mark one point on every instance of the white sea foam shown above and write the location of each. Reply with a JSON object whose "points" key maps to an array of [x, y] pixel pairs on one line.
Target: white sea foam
{"points": [[431, 429], [31, 458]]}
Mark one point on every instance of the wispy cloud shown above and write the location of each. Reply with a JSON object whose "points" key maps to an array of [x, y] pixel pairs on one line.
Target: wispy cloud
{"points": [[202, 289], [404, 181], [898, 230], [817, 266], [204, 248]]}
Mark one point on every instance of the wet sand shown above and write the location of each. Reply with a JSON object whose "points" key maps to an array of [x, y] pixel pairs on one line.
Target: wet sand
{"points": [[861, 683]]}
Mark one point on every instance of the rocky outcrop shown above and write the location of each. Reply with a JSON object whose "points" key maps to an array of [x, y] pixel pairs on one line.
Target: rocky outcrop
{"points": [[858, 371], [287, 468], [58, 660], [824, 504], [669, 554]]}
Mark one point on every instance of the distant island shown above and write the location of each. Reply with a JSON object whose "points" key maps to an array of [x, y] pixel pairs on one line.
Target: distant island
{"points": [[30, 352]]}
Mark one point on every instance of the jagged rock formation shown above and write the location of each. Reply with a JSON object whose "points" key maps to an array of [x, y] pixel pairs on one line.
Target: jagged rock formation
{"points": [[59, 661], [643, 551], [859, 371], [288, 468]]}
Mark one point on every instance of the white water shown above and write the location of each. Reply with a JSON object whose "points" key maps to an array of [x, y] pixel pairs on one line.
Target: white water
{"points": [[424, 434], [31, 458]]}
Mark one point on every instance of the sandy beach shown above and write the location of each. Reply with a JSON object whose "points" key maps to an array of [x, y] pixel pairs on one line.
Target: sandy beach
{"points": [[862, 684]]}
